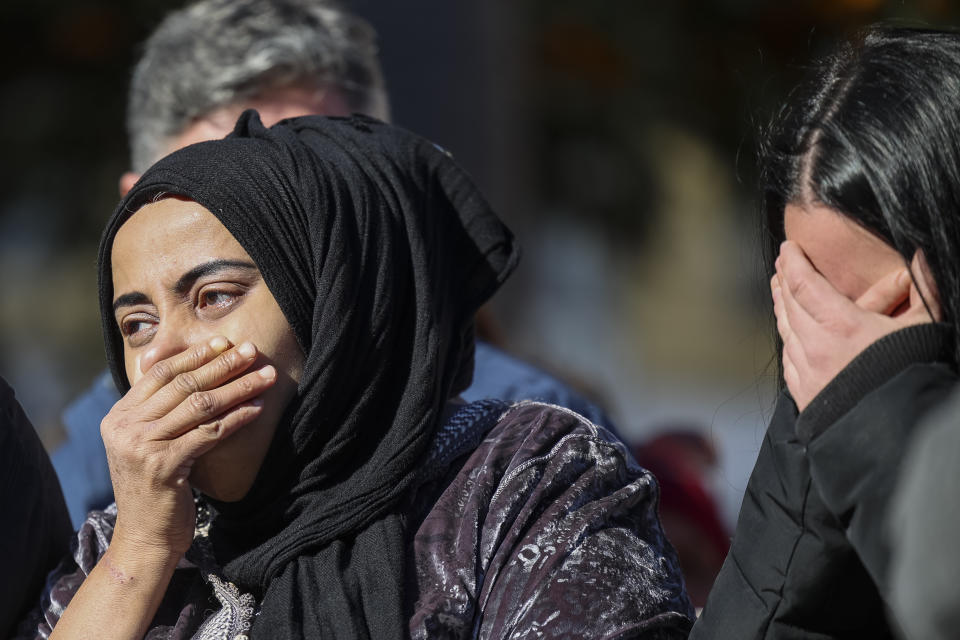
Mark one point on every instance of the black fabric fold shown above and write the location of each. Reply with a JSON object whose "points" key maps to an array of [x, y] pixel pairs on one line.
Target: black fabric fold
{"points": [[378, 250], [37, 531]]}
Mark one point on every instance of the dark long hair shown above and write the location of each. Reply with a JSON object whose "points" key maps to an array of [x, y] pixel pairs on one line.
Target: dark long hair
{"points": [[874, 133]]}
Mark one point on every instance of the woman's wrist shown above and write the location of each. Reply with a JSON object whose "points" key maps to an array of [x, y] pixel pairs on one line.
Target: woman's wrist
{"points": [[140, 552], [878, 363], [120, 597]]}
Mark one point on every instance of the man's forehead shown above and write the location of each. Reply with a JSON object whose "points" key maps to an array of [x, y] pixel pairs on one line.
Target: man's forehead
{"points": [[273, 105]]}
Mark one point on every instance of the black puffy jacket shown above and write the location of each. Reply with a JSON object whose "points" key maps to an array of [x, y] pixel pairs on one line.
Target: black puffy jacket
{"points": [[809, 558]]}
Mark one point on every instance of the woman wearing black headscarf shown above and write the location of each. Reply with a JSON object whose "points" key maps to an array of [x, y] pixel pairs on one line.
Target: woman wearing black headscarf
{"points": [[340, 490]]}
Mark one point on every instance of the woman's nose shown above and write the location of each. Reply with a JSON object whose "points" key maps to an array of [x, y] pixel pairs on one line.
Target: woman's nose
{"points": [[170, 339], [165, 344]]}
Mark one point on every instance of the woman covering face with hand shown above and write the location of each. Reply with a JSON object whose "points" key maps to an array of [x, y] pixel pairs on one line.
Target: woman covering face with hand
{"points": [[290, 313], [861, 191]]}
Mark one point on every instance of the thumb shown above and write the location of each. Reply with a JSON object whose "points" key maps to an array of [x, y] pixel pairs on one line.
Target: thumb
{"points": [[887, 293]]}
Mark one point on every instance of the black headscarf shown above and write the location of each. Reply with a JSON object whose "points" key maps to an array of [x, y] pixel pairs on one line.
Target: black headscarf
{"points": [[378, 250]]}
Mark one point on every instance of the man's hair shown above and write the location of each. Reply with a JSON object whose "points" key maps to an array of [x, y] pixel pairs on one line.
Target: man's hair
{"points": [[216, 53]]}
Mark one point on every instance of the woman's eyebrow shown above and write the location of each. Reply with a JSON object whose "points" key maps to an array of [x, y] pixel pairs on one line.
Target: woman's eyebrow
{"points": [[130, 299], [186, 280]]}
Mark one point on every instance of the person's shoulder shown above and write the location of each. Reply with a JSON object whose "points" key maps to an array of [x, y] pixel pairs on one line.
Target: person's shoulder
{"points": [[498, 374], [486, 445], [537, 426], [490, 438], [84, 413], [548, 498], [81, 460], [11, 414], [538, 439], [87, 546], [6, 393]]}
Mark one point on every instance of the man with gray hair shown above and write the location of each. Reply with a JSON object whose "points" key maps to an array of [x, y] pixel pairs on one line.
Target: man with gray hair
{"points": [[208, 62], [202, 67]]}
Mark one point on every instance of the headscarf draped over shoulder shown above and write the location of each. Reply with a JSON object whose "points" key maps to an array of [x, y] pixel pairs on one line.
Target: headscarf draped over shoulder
{"points": [[379, 250]]}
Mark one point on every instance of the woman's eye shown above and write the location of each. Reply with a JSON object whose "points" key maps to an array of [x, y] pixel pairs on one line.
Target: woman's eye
{"points": [[217, 298], [135, 327]]}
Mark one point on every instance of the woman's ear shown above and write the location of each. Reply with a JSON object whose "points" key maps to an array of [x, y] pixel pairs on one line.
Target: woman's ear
{"points": [[923, 288]]}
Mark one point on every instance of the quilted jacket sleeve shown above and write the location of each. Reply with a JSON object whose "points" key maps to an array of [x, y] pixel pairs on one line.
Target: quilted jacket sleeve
{"points": [[809, 556]]}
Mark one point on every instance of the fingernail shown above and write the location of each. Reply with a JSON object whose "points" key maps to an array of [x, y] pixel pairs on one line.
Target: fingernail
{"points": [[267, 372], [247, 350], [218, 344]]}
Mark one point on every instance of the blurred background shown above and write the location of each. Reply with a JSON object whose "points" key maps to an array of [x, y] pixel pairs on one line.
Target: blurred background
{"points": [[616, 138]]}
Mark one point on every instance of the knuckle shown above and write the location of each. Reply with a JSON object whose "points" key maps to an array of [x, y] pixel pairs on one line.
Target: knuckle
{"points": [[126, 452], [197, 356], [245, 385], [107, 427], [162, 371], [798, 286], [150, 426], [213, 429], [790, 352], [187, 382], [203, 402], [112, 427], [228, 362], [840, 327], [797, 357], [153, 463]]}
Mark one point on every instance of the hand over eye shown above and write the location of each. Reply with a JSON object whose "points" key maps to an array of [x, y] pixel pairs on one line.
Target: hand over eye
{"points": [[823, 331]]}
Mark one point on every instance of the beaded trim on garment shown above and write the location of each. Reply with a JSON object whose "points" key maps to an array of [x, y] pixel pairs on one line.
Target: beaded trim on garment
{"points": [[237, 609]]}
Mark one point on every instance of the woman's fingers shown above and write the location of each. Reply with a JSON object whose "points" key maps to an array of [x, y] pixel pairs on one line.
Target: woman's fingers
{"points": [[207, 376], [814, 320], [792, 349], [793, 353], [803, 284], [203, 407], [779, 312], [790, 376], [164, 371], [196, 442], [887, 293], [823, 331], [799, 322]]}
